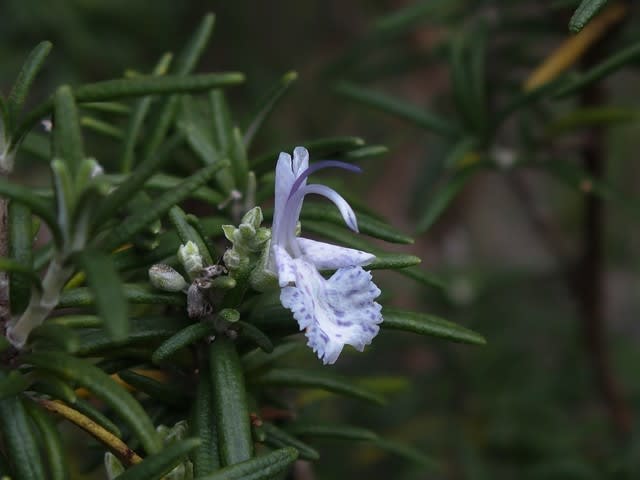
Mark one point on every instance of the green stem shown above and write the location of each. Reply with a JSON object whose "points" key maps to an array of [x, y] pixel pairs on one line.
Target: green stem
{"points": [[41, 303]]}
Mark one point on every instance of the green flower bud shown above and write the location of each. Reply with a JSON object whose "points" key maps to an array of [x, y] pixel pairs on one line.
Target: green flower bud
{"points": [[247, 231], [232, 259], [165, 278], [262, 278], [253, 217], [228, 231], [190, 257]]}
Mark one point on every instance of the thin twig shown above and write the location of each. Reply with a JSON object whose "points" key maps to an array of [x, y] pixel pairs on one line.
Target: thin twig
{"points": [[589, 278], [113, 443]]}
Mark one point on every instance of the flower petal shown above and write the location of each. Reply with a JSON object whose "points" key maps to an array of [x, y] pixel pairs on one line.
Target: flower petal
{"points": [[326, 256], [284, 266], [287, 171], [345, 209], [333, 312]]}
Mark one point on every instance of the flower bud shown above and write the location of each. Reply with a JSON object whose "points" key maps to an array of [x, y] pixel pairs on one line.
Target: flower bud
{"points": [[262, 277], [190, 257], [231, 259], [253, 217], [166, 278], [247, 231]]}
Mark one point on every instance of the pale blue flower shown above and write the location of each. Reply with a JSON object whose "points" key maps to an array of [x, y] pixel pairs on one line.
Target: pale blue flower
{"points": [[336, 311]]}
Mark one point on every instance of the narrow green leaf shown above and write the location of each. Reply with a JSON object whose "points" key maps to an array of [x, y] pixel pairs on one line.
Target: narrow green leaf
{"points": [[38, 206], [12, 384], [53, 334], [67, 138], [266, 106], [258, 359], [222, 124], [366, 224], [425, 324], [317, 150], [264, 467], [55, 388], [116, 108], [27, 75], [585, 12], [466, 59], [289, 377], [457, 154], [274, 319], [38, 145], [612, 63], [393, 261], [239, 160], [136, 223], [527, 97], [137, 118], [101, 127], [19, 439], [122, 88], [51, 442], [344, 432], [184, 64], [478, 78], [390, 26], [444, 196], [65, 195], [406, 452], [424, 277], [197, 130], [352, 433], [379, 101], [162, 181], [169, 394], [256, 336], [106, 286], [340, 235], [77, 321], [588, 117], [20, 250], [134, 182], [278, 438], [364, 152], [143, 331], [192, 52], [154, 85], [12, 266], [574, 177], [157, 466], [230, 399], [206, 234], [203, 425], [181, 339], [96, 381], [86, 408], [187, 233]]}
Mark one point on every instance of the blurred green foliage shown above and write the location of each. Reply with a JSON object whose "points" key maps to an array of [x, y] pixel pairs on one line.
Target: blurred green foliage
{"points": [[526, 406]]}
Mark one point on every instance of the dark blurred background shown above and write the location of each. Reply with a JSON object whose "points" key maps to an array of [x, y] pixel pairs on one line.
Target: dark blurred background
{"points": [[529, 404]]}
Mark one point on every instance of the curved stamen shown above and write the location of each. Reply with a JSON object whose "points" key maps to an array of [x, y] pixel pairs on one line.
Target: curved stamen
{"points": [[345, 209], [319, 166], [283, 231]]}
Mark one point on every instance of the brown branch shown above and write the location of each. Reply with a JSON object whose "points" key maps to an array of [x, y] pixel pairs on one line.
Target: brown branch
{"points": [[113, 443], [590, 271]]}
